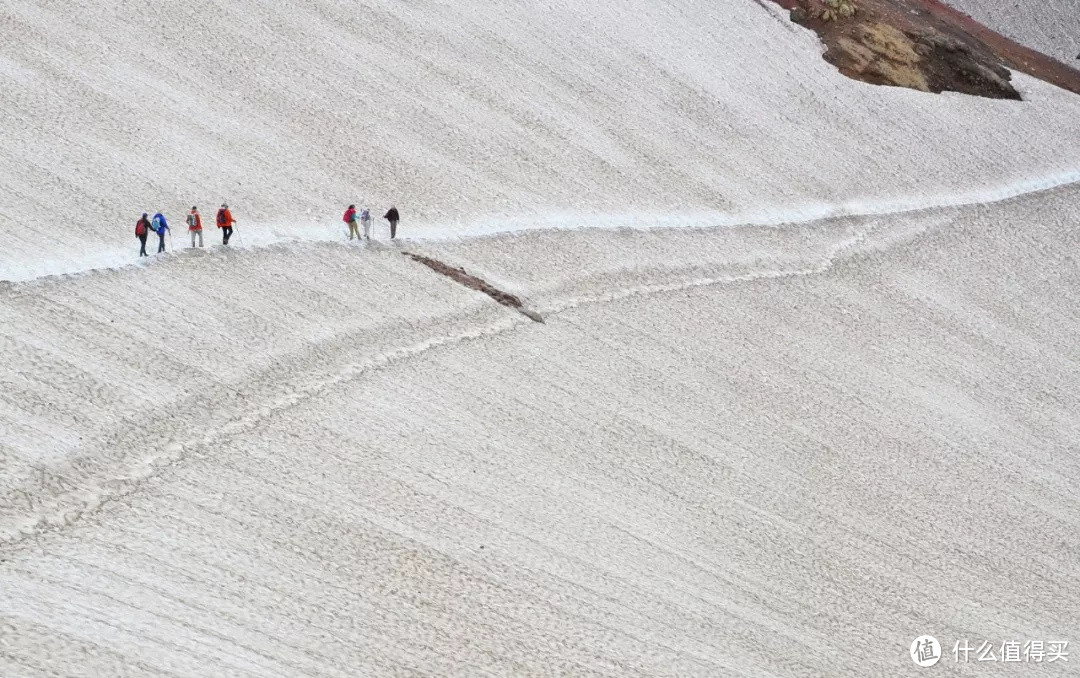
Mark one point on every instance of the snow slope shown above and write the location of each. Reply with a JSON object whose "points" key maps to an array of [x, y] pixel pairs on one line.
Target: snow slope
{"points": [[462, 112], [1052, 27], [750, 451], [746, 441]]}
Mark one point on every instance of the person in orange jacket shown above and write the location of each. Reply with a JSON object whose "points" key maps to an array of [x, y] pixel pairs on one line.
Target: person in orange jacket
{"points": [[194, 226], [225, 222]]}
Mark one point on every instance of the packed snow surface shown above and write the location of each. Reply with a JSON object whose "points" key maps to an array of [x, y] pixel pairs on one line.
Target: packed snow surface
{"points": [[462, 112], [1049, 26], [807, 386], [747, 451]]}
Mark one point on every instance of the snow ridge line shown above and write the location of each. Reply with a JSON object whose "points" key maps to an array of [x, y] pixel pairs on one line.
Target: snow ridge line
{"points": [[769, 217], [839, 252], [261, 235], [68, 508]]}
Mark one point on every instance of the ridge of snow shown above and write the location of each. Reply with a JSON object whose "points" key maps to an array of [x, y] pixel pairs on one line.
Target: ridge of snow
{"points": [[272, 234]]}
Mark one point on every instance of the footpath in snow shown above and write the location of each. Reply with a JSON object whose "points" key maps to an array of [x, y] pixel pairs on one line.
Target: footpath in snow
{"points": [[267, 234]]}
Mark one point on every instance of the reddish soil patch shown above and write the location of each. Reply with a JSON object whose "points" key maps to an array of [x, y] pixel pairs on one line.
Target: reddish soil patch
{"points": [[929, 46], [479, 284], [1013, 54]]}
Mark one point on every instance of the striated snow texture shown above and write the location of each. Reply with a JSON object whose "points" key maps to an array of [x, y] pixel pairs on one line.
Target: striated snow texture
{"points": [[1050, 26], [462, 112], [807, 385], [751, 451]]}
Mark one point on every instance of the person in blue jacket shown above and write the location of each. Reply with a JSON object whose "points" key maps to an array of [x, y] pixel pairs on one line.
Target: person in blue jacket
{"points": [[160, 226]]}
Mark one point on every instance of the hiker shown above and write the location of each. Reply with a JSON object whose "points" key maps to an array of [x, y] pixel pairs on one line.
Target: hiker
{"points": [[225, 222], [194, 226], [365, 219], [393, 217], [142, 229], [350, 219], [160, 225]]}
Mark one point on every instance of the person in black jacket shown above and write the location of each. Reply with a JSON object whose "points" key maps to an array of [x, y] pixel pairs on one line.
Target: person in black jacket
{"points": [[142, 229], [393, 217]]}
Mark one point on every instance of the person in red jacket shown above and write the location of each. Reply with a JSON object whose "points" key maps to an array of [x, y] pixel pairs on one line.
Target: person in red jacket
{"points": [[225, 222], [350, 219], [194, 226], [142, 229]]}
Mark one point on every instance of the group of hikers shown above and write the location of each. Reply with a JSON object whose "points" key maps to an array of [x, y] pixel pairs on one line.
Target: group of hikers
{"points": [[352, 216], [160, 226], [225, 222]]}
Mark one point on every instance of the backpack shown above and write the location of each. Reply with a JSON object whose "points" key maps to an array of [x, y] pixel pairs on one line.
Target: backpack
{"points": [[365, 215], [157, 223], [221, 218], [191, 220]]}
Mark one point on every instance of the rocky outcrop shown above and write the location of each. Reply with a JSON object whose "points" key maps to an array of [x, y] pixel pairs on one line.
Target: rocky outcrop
{"points": [[924, 45], [460, 275]]}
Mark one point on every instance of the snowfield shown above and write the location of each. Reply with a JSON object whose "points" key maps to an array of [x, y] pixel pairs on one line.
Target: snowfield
{"points": [[1052, 26], [462, 113], [807, 385], [752, 451]]}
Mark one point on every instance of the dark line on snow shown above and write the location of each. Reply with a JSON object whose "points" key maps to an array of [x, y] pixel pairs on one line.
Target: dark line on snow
{"points": [[460, 275]]}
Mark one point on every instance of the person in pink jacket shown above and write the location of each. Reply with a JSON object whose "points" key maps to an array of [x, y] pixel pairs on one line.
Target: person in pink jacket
{"points": [[350, 219]]}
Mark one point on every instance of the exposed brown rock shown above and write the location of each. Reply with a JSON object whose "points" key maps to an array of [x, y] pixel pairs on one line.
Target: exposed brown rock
{"points": [[928, 46], [460, 275]]}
